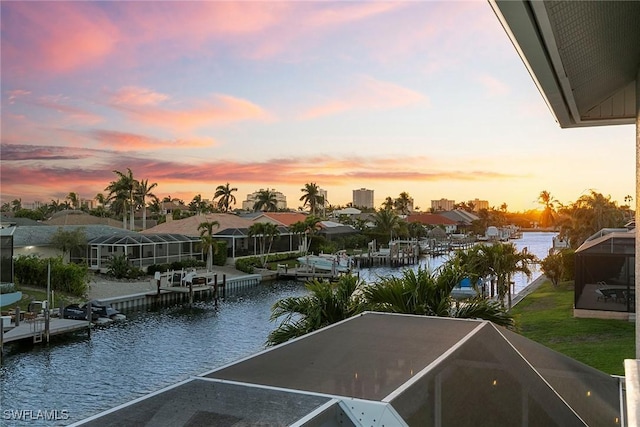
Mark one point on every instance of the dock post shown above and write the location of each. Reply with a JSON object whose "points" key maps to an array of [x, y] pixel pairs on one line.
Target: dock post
{"points": [[224, 286], [89, 312], [215, 289], [47, 322], [1, 342], [190, 293], [17, 319]]}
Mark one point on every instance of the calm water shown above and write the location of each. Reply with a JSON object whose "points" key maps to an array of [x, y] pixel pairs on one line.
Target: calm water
{"points": [[79, 377]]}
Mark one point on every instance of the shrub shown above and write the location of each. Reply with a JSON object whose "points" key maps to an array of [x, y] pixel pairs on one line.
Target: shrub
{"points": [[162, 268], [7, 288], [120, 268], [568, 261], [246, 265], [70, 278]]}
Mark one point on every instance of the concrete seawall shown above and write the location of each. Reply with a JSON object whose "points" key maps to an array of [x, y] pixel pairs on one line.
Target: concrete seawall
{"points": [[143, 300]]}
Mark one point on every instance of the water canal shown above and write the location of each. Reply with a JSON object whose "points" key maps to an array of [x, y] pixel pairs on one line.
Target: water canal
{"points": [[74, 378]]}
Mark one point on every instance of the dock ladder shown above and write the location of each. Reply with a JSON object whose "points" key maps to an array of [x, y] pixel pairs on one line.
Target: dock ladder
{"points": [[37, 326]]}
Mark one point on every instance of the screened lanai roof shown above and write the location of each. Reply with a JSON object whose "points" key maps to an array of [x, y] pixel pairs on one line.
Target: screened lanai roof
{"points": [[137, 239], [392, 370], [610, 241]]}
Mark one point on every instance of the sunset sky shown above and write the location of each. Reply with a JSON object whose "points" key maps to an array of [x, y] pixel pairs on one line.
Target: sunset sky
{"points": [[424, 97]]}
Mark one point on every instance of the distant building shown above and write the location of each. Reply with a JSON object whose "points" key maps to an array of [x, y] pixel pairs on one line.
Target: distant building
{"points": [[363, 198], [443, 205], [249, 203], [323, 193], [478, 205], [33, 205]]}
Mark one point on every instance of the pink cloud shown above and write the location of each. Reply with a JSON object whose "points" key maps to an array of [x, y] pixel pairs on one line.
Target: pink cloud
{"points": [[34, 39], [137, 96], [14, 95], [368, 94], [218, 109], [125, 141], [55, 170], [61, 105]]}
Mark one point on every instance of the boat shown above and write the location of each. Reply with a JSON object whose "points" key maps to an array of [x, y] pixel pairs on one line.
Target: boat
{"points": [[104, 310], [465, 289], [337, 263]]}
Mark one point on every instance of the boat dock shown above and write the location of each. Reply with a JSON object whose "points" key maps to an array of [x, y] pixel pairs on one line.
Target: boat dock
{"points": [[398, 254], [35, 330], [306, 273]]}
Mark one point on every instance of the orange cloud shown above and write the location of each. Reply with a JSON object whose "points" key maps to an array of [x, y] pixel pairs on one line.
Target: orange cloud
{"points": [[56, 170], [218, 109], [368, 94], [124, 141]]}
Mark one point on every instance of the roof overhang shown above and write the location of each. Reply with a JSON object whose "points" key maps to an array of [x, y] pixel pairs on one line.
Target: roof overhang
{"points": [[583, 56]]}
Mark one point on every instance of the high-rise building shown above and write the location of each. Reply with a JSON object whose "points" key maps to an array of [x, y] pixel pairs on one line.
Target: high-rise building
{"points": [[323, 193], [363, 198], [249, 203], [478, 205], [443, 205]]}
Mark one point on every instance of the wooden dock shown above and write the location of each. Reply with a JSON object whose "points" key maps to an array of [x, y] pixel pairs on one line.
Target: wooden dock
{"points": [[34, 329], [306, 273]]}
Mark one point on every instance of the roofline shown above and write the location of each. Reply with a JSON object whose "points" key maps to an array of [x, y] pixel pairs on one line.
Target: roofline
{"points": [[529, 29]]}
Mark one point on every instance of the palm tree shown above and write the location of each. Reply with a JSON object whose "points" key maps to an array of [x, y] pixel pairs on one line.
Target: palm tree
{"points": [[311, 196], [122, 192], [143, 192], [548, 215], [206, 235], [387, 205], [100, 198], [402, 203], [198, 205], [427, 293], [16, 205], [265, 232], [588, 215], [73, 200], [266, 201], [504, 260], [224, 194], [386, 222], [327, 303]]}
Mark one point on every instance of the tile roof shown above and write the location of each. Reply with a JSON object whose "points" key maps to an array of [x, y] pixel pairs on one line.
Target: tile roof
{"points": [[430, 219], [282, 218], [75, 217], [189, 226], [40, 235]]}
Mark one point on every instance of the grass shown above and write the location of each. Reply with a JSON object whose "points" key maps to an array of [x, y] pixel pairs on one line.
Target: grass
{"points": [[35, 294], [546, 316]]}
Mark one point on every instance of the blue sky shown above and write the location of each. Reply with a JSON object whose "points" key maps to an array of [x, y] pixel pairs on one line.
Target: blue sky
{"points": [[424, 97]]}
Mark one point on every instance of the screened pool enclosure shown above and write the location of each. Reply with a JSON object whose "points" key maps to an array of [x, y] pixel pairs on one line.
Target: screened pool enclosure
{"points": [[605, 272], [380, 369], [143, 250]]}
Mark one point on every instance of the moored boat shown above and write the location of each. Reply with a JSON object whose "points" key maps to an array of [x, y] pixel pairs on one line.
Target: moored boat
{"points": [[338, 263]]}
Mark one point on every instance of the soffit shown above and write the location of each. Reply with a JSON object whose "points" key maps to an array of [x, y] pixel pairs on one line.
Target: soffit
{"points": [[584, 56]]}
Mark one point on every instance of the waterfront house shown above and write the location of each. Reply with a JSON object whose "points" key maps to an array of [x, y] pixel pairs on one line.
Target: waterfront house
{"points": [[431, 220]]}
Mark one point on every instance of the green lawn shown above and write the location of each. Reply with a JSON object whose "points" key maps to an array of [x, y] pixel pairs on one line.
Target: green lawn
{"points": [[546, 316]]}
